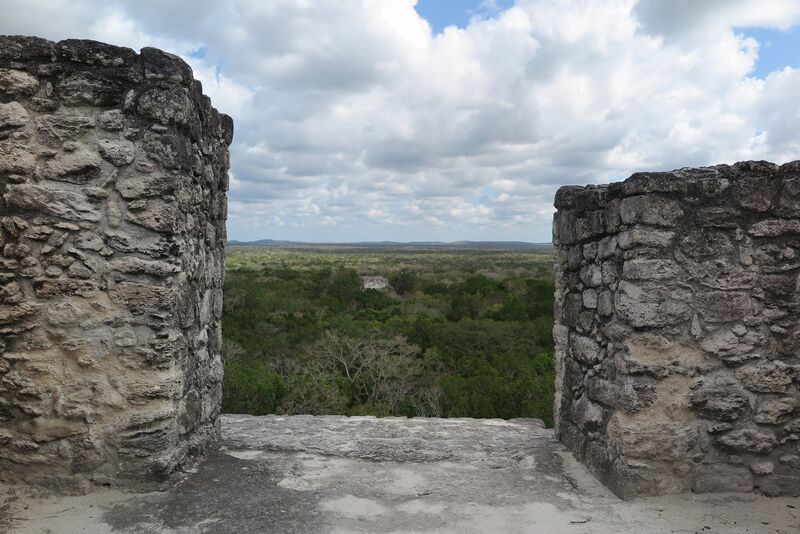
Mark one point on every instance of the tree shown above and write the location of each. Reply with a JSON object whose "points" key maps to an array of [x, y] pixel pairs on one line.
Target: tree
{"points": [[403, 281], [381, 373], [314, 392], [250, 387], [230, 351]]}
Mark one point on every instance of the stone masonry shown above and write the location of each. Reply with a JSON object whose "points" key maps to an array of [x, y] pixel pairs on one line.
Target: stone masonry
{"points": [[113, 172], [677, 329]]}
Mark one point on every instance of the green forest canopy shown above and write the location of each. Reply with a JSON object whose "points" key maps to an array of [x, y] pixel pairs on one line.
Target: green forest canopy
{"points": [[462, 333]]}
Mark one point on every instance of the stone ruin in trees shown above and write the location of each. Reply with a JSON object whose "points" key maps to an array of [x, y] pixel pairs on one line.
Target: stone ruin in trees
{"points": [[677, 325]]}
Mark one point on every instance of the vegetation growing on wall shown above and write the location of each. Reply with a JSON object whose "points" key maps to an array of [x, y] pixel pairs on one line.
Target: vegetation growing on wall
{"points": [[463, 334]]}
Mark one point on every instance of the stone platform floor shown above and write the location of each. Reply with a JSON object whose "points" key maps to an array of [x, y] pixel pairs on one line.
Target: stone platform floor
{"points": [[307, 474]]}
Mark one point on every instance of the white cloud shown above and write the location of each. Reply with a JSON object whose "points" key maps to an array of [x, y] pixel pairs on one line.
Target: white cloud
{"points": [[354, 121], [670, 17]]}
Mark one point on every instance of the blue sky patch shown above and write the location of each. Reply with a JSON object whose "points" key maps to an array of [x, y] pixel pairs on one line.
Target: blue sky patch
{"points": [[199, 53], [443, 13], [778, 49]]}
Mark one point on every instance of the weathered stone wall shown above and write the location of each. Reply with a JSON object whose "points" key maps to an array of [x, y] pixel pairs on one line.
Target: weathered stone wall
{"points": [[113, 172], [677, 329]]}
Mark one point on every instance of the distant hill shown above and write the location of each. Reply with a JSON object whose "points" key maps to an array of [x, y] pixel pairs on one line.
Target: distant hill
{"points": [[394, 245]]}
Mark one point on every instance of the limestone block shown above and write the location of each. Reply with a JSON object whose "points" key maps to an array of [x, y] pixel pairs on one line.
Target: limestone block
{"points": [[607, 247], [575, 258], [586, 414], [780, 485], [590, 226], [776, 258], [655, 182], [718, 217], [158, 215], [78, 167], [89, 241], [11, 293], [634, 477], [165, 105], [142, 296], [160, 65], [642, 236], [755, 193], [722, 403], [88, 88], [790, 460], [747, 440], [591, 275], [605, 304], [705, 244], [775, 227], [776, 411], [793, 426], [42, 429], [623, 398], [590, 251], [573, 306], [608, 271], [585, 349], [152, 246], [564, 228], [765, 376], [718, 274], [613, 220], [16, 158], [727, 346], [640, 437], [12, 116], [117, 151], [168, 150], [17, 82], [56, 129], [652, 305], [723, 306], [63, 287], [135, 186], [112, 120], [647, 269], [652, 351], [650, 210], [14, 313], [590, 299], [39, 233], [789, 199], [762, 468], [132, 264], [720, 478], [66, 204]]}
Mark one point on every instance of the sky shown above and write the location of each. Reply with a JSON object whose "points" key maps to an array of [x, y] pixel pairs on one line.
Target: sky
{"points": [[442, 120]]}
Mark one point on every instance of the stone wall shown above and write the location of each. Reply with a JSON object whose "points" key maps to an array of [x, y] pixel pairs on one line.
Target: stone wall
{"points": [[677, 329], [113, 172]]}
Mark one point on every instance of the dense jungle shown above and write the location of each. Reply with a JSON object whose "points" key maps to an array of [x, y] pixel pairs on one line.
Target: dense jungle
{"points": [[458, 332]]}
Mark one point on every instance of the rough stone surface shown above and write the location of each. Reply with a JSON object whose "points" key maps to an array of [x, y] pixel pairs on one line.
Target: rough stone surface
{"points": [[108, 369], [677, 322], [309, 475]]}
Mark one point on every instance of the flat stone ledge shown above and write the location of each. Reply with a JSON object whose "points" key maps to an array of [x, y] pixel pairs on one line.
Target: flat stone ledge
{"points": [[305, 474]]}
